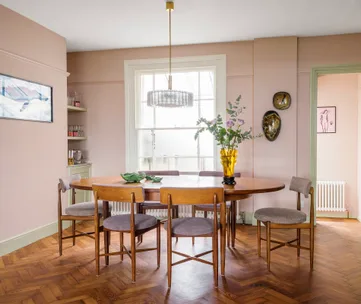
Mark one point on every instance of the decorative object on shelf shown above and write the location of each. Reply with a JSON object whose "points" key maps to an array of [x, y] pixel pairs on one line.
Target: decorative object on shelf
{"points": [[170, 98], [228, 136], [138, 177], [281, 100], [271, 125], [25, 100], [326, 119]]}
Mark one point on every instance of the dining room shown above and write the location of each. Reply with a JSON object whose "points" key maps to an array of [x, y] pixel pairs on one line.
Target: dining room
{"points": [[159, 161]]}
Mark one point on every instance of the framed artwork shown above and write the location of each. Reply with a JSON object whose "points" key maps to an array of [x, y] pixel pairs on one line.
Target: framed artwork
{"points": [[326, 119], [25, 100]]}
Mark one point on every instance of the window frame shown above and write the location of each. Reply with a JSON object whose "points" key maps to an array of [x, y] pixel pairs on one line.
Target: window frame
{"points": [[134, 67]]}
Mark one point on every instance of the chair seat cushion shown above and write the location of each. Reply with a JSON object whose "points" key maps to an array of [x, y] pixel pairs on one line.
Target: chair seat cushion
{"points": [[280, 215], [191, 226], [209, 207], [122, 222], [84, 209], [154, 204]]}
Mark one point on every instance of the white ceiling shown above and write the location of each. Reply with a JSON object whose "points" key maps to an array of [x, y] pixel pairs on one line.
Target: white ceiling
{"points": [[110, 24]]}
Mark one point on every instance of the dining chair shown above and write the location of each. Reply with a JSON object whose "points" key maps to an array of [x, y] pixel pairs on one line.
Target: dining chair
{"points": [[231, 212], [74, 212], [134, 224], [284, 218], [192, 226]]}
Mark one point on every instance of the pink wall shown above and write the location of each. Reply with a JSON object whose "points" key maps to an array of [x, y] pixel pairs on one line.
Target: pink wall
{"points": [[337, 152], [256, 69], [32, 154]]}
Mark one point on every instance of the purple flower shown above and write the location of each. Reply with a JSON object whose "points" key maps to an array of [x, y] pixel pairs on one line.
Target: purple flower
{"points": [[241, 122], [213, 122], [230, 124]]}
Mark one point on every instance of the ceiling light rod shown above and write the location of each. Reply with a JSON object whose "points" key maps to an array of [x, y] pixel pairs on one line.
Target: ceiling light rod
{"points": [[170, 98]]}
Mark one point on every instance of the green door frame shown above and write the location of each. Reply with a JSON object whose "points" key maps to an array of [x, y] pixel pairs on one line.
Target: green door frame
{"points": [[315, 72]]}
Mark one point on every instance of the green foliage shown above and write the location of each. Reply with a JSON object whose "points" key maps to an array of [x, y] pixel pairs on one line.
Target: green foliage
{"points": [[228, 135]]}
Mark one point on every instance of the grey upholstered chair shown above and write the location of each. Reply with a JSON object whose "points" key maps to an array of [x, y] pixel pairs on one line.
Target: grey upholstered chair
{"points": [[231, 212], [284, 218], [134, 224], [74, 212], [192, 226]]}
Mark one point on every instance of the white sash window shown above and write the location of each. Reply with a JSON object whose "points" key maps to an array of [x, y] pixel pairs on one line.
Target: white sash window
{"points": [[159, 138]]}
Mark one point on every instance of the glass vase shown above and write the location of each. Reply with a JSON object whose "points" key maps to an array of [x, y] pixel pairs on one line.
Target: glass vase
{"points": [[228, 161]]}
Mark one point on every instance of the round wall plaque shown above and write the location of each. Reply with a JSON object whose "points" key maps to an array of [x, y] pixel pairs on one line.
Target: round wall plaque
{"points": [[281, 100]]}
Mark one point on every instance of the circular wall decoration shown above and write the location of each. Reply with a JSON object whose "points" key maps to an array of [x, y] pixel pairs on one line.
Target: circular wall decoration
{"points": [[271, 125], [281, 100]]}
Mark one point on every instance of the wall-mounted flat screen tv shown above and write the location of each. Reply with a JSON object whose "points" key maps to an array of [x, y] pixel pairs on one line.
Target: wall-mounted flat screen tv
{"points": [[25, 100]]}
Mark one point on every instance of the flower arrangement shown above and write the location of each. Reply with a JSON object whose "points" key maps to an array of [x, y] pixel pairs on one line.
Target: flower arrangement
{"points": [[230, 135]]}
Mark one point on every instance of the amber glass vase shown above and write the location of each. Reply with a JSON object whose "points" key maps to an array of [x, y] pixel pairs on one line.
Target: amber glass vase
{"points": [[228, 161]]}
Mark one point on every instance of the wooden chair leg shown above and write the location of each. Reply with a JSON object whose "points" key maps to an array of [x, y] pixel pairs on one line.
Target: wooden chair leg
{"points": [[60, 236], [121, 244], [97, 248], [259, 237], [193, 215], [106, 246], [228, 227], [298, 241], [312, 245], [233, 222], [158, 244], [205, 214], [268, 227], [169, 258], [73, 230], [215, 257], [140, 210], [133, 249]]}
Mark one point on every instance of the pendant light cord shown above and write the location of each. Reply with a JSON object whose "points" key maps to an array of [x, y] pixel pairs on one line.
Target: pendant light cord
{"points": [[169, 8]]}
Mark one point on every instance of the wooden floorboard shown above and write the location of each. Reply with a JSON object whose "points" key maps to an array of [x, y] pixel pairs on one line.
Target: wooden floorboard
{"points": [[36, 274]]}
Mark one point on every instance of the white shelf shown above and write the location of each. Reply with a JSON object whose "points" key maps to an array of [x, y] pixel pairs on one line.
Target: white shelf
{"points": [[76, 109], [76, 138]]}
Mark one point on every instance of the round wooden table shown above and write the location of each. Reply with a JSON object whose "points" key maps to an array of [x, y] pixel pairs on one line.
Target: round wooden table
{"points": [[244, 187]]}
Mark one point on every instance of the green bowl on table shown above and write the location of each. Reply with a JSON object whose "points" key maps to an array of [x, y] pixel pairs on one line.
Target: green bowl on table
{"points": [[138, 177], [132, 177]]}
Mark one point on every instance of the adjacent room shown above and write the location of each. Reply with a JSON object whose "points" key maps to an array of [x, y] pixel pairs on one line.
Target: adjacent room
{"points": [[180, 151]]}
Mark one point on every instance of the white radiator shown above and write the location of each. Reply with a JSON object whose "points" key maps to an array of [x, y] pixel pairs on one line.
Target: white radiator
{"points": [[184, 211], [330, 196]]}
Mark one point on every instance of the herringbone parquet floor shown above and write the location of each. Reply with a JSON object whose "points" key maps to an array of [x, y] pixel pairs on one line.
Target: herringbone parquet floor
{"points": [[36, 274]]}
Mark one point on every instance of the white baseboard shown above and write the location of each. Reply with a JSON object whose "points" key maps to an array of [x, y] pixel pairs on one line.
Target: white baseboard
{"points": [[339, 214], [29, 237]]}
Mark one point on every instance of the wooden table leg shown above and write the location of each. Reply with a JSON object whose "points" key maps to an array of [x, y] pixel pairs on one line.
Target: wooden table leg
{"points": [[233, 221], [223, 238], [106, 214]]}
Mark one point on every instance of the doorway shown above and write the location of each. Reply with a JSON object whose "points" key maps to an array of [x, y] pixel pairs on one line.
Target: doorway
{"points": [[336, 140]]}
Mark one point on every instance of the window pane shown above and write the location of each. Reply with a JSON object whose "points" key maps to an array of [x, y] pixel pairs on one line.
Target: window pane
{"points": [[176, 117], [145, 147], [175, 143], [186, 81], [145, 117], [207, 84], [206, 144], [207, 109], [146, 84]]}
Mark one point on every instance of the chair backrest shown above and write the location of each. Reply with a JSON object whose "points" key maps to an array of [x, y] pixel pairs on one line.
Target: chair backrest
{"points": [[118, 193], [191, 196], [162, 172], [216, 173], [301, 185], [65, 182]]}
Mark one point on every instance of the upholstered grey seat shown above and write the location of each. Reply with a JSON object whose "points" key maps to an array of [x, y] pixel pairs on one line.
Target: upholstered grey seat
{"points": [[84, 209], [153, 204], [280, 215], [122, 222], [200, 207], [191, 226]]}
